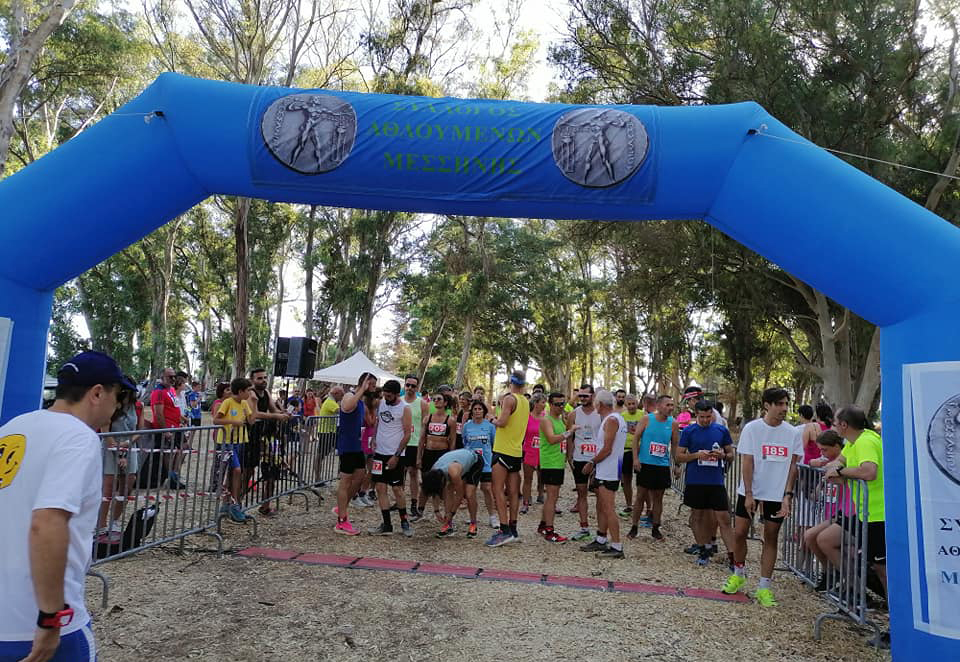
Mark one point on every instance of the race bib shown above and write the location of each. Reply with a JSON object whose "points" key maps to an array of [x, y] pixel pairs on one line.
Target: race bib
{"points": [[658, 450], [376, 468], [459, 428], [775, 453], [588, 449], [832, 493], [479, 439], [437, 429], [708, 463], [563, 446], [535, 444]]}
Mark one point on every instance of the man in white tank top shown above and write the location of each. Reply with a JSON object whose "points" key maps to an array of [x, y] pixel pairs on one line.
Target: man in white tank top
{"points": [[394, 428], [585, 422], [605, 467]]}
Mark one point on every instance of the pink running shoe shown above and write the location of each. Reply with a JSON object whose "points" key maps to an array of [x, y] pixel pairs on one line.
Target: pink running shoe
{"points": [[346, 528]]}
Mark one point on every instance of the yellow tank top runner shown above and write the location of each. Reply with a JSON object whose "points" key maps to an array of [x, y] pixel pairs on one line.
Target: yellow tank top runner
{"points": [[509, 439]]}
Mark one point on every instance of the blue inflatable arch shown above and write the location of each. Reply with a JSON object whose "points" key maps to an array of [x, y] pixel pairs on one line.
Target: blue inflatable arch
{"points": [[734, 166]]}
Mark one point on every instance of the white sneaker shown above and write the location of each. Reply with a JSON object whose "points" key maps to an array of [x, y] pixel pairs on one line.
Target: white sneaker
{"points": [[357, 503], [367, 501], [494, 522]]}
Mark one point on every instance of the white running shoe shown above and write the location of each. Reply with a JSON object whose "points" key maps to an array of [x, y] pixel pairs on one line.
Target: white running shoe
{"points": [[494, 522], [367, 501], [356, 502]]}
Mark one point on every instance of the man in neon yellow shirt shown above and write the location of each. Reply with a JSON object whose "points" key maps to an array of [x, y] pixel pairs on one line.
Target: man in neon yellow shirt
{"points": [[511, 424], [862, 459]]}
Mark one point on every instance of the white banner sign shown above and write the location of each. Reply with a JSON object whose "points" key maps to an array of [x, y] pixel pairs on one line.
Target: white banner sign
{"points": [[931, 421]]}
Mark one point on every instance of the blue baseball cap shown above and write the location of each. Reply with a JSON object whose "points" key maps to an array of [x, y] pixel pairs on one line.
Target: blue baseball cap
{"points": [[90, 368], [518, 378]]}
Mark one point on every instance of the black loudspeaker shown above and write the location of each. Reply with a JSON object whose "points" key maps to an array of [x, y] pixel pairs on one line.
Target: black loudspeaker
{"points": [[299, 357], [280, 357]]}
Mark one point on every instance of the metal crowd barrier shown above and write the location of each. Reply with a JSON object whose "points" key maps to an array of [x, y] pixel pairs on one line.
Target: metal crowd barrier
{"points": [[141, 507], [846, 580], [293, 458]]}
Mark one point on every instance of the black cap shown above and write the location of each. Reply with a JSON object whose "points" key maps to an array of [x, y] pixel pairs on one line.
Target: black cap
{"points": [[90, 368], [391, 386], [692, 392]]}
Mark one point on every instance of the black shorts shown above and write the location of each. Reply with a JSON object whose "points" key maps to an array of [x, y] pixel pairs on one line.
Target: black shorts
{"points": [[381, 474], [474, 474], [351, 462], [196, 422], [706, 497], [612, 485], [876, 543], [653, 477], [626, 467], [551, 476], [768, 510], [486, 476], [429, 458], [251, 453], [409, 458], [508, 462], [580, 478]]}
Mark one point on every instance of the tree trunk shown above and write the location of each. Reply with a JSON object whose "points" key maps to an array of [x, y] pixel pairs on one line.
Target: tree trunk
{"points": [[428, 347], [870, 382], [308, 272], [276, 326], [465, 354], [24, 48], [241, 313]]}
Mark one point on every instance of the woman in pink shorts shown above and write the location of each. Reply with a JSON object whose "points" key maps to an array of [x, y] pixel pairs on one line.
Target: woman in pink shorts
{"points": [[531, 451]]}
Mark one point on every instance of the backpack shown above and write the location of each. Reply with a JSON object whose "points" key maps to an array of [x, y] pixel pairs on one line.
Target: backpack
{"points": [[138, 528]]}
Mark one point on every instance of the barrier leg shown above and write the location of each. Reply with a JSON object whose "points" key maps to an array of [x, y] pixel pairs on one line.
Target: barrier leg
{"points": [[219, 540], [106, 586]]}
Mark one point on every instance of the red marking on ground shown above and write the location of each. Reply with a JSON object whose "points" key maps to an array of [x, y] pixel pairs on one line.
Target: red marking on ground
{"points": [[326, 559], [384, 564], [511, 576], [268, 553], [440, 569], [579, 582], [591, 583], [707, 594], [633, 587]]}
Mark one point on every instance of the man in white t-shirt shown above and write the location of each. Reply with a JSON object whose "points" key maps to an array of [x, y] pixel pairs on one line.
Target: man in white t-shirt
{"points": [[770, 449], [50, 486], [605, 470]]}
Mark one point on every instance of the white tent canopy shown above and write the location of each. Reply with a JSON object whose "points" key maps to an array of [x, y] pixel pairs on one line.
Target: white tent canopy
{"points": [[349, 370]]}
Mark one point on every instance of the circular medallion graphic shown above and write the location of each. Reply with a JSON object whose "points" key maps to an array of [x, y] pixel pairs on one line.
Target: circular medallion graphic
{"points": [[598, 147], [309, 133], [943, 438]]}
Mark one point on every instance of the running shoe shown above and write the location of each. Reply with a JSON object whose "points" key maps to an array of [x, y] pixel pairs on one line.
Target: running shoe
{"points": [[494, 522], [367, 501], [472, 530], [499, 538], [382, 530], [581, 535], [553, 536], [625, 512], [593, 546], [525, 508], [558, 510], [541, 528], [345, 528], [632, 533], [734, 584], [703, 561], [406, 529], [540, 499], [415, 516], [574, 508], [765, 598], [657, 535], [237, 514], [445, 531], [611, 553], [357, 502], [173, 480], [115, 527], [692, 549], [267, 512]]}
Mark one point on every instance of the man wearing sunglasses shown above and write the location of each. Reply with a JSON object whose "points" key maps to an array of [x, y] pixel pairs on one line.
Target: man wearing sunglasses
{"points": [[419, 411], [586, 422]]}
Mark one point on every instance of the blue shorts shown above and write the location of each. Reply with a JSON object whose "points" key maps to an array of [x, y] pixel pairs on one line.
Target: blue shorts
{"points": [[235, 451], [77, 646]]}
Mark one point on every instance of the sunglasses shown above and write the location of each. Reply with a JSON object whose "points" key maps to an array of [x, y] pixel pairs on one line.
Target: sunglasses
{"points": [[438, 399], [584, 397], [561, 403], [410, 386]]}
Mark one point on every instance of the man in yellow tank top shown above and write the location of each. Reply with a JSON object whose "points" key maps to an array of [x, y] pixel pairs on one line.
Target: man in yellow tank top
{"points": [[507, 459]]}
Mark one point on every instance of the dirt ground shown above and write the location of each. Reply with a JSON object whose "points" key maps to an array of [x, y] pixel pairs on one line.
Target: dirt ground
{"points": [[166, 606]]}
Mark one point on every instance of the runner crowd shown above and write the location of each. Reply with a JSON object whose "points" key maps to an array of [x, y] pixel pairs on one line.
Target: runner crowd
{"points": [[405, 450]]}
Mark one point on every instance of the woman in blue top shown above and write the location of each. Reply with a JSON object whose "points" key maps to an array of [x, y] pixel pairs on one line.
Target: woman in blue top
{"points": [[478, 433]]}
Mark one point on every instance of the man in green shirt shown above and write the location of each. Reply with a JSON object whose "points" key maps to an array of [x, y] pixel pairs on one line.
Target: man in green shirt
{"points": [[553, 458], [862, 459]]}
